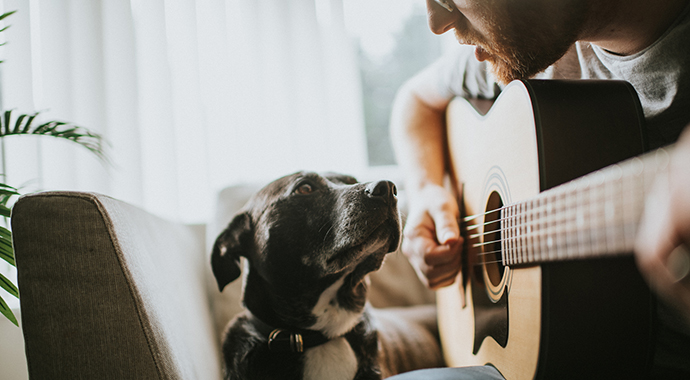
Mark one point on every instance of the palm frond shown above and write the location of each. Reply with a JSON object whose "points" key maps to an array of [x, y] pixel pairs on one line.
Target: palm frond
{"points": [[11, 288], [6, 192], [24, 125], [2, 16], [7, 252], [7, 312]]}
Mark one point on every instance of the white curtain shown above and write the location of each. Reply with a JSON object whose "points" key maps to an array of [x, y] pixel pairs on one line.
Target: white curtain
{"points": [[193, 95]]}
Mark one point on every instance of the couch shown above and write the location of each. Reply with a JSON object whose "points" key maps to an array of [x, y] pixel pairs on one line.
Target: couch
{"points": [[109, 291]]}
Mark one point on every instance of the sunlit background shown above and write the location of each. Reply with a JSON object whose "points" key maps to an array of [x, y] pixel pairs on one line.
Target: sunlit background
{"points": [[197, 95], [194, 96]]}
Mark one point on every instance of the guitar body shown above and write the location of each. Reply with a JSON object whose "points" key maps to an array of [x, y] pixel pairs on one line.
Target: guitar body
{"points": [[580, 319]]}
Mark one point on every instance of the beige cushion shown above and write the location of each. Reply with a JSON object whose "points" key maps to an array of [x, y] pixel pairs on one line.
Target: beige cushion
{"points": [[109, 291]]}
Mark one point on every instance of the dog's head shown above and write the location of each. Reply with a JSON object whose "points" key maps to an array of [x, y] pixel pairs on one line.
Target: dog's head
{"points": [[309, 224], [305, 231]]}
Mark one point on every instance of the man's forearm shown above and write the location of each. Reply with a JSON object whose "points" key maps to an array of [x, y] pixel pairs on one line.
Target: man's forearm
{"points": [[419, 138]]}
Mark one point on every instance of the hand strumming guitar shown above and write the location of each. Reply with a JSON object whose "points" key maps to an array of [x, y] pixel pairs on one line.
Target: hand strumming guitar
{"points": [[432, 239], [662, 248]]}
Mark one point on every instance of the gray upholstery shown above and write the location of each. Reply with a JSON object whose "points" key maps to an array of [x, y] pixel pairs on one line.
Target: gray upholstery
{"points": [[109, 291]]}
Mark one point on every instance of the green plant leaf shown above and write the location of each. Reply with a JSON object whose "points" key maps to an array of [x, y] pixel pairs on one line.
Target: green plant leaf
{"points": [[5, 211], [59, 129], [47, 128], [6, 192], [7, 253], [29, 122], [2, 16], [4, 241], [7, 312], [5, 126], [7, 188], [18, 123], [5, 234], [6, 284]]}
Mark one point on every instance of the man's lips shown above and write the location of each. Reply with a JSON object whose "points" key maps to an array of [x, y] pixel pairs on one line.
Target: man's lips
{"points": [[480, 53]]}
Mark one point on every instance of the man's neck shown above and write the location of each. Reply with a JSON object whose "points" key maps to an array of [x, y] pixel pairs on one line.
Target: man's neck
{"points": [[629, 26]]}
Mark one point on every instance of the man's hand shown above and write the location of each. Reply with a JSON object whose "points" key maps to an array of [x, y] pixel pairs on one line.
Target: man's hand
{"points": [[432, 240], [662, 249]]}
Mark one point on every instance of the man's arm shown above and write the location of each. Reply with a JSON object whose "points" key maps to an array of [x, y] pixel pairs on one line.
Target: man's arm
{"points": [[432, 239], [661, 249]]}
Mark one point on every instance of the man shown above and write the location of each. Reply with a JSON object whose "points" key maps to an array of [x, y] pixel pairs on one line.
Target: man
{"points": [[644, 42]]}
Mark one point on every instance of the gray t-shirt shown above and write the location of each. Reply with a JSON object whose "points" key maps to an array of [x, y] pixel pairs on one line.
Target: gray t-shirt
{"points": [[661, 76]]}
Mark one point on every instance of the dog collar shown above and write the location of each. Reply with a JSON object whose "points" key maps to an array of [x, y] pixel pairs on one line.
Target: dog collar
{"points": [[289, 339]]}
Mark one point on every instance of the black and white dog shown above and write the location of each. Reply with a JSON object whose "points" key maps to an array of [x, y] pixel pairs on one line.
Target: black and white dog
{"points": [[309, 241]]}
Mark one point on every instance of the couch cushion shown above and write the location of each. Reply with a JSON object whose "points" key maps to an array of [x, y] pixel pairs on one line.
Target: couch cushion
{"points": [[109, 291]]}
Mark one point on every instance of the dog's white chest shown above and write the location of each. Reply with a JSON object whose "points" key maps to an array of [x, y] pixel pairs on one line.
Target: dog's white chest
{"points": [[333, 360], [331, 319]]}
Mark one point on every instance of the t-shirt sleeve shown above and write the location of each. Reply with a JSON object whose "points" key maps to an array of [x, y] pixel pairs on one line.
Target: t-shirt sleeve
{"points": [[459, 73]]}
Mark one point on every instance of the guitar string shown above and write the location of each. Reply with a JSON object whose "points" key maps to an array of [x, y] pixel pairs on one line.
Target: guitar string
{"points": [[540, 233], [529, 217], [583, 186], [635, 172], [588, 231], [563, 204], [492, 262], [601, 241], [531, 210], [551, 230], [526, 221]]}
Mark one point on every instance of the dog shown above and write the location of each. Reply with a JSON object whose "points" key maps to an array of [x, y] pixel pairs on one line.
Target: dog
{"points": [[308, 242]]}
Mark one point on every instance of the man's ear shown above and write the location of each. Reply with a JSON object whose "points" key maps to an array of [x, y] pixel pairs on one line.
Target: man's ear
{"points": [[229, 246]]}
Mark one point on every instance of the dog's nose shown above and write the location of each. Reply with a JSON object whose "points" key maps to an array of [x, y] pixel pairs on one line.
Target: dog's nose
{"points": [[382, 189]]}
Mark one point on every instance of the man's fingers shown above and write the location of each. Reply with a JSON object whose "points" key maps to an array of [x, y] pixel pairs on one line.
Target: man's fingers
{"points": [[444, 275], [445, 220], [443, 254], [432, 240], [437, 266], [656, 238]]}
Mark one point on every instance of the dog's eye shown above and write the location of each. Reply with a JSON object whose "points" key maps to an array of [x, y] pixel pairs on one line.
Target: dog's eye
{"points": [[304, 189]]}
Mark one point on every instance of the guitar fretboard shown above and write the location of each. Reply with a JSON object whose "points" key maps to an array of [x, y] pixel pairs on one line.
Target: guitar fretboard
{"points": [[592, 216]]}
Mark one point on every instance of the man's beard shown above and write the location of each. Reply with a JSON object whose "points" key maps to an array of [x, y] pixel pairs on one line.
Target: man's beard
{"points": [[520, 50], [511, 62]]}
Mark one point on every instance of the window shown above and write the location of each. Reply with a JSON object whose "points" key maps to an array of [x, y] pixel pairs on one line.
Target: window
{"points": [[394, 43]]}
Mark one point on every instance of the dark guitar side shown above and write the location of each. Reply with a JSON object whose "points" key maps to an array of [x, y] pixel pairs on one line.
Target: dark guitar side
{"points": [[596, 317], [596, 326]]}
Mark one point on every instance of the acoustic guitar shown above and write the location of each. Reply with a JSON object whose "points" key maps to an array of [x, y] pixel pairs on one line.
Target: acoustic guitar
{"points": [[550, 289]]}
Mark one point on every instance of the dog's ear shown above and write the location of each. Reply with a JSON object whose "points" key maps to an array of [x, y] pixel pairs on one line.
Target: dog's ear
{"points": [[229, 246], [340, 178]]}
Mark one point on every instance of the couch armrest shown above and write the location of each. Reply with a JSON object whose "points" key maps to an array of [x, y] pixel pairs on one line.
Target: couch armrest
{"points": [[109, 291]]}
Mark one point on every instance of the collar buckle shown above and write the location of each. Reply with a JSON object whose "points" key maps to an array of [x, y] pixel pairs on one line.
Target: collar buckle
{"points": [[285, 341]]}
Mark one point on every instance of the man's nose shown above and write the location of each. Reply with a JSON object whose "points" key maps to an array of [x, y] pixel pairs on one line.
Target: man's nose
{"points": [[440, 20]]}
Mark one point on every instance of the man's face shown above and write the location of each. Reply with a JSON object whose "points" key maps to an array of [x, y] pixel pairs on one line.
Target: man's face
{"points": [[520, 38]]}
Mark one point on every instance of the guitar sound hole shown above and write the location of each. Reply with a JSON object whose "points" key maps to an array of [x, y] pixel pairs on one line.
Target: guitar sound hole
{"points": [[493, 263]]}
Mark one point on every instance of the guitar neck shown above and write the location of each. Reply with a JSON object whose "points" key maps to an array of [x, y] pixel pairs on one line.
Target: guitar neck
{"points": [[595, 215]]}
